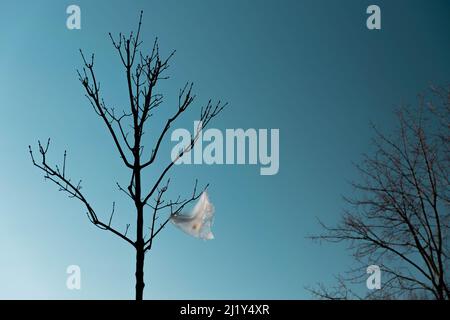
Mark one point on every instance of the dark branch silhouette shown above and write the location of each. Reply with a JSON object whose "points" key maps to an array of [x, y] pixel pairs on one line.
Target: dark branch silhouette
{"points": [[399, 218], [143, 73]]}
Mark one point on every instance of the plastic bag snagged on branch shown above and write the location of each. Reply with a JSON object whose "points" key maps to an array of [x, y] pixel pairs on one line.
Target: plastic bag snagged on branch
{"points": [[198, 222]]}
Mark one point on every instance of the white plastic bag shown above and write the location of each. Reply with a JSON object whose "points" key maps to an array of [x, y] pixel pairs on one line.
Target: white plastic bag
{"points": [[198, 223]]}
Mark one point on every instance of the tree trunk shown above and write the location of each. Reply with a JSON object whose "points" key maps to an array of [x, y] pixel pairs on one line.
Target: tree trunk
{"points": [[140, 252], [140, 255]]}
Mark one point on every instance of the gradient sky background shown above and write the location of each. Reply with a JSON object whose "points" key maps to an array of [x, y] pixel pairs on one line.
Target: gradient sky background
{"points": [[310, 68]]}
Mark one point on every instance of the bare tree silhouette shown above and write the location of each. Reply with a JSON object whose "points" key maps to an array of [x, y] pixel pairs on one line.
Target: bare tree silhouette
{"points": [[399, 218], [143, 73]]}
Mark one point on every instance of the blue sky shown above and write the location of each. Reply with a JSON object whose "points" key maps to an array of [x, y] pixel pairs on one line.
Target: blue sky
{"points": [[309, 68]]}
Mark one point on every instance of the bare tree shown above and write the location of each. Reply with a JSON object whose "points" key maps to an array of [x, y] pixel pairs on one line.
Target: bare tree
{"points": [[143, 73], [399, 216]]}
